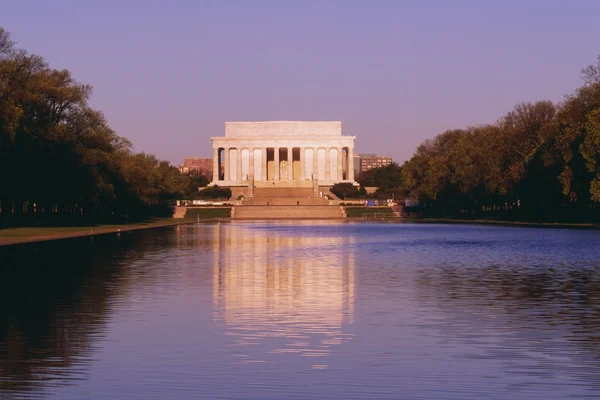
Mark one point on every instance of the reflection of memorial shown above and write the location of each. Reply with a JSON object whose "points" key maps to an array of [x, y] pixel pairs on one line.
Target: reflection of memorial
{"points": [[289, 289]]}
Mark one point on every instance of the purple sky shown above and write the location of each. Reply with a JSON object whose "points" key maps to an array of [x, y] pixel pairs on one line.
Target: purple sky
{"points": [[168, 74]]}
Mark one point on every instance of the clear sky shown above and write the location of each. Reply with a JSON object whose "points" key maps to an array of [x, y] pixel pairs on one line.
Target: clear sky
{"points": [[168, 74]]}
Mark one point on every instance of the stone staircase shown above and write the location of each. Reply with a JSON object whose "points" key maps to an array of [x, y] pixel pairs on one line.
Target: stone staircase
{"points": [[179, 212], [287, 192], [286, 203]]}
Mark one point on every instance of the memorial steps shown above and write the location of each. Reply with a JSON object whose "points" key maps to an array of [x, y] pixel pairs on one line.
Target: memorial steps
{"points": [[179, 212], [296, 192], [286, 203]]}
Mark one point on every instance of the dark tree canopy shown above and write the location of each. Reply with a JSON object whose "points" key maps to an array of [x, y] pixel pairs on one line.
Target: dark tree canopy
{"points": [[196, 181], [540, 161], [385, 178], [61, 161], [215, 192], [345, 190]]}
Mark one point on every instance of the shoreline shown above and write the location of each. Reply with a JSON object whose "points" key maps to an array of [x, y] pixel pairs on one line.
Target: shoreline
{"points": [[522, 224], [60, 233]]}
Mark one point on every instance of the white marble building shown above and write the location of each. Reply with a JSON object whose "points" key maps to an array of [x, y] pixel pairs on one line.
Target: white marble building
{"points": [[294, 153]]}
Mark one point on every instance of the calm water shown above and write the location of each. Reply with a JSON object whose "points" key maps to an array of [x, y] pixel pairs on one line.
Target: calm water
{"points": [[304, 310]]}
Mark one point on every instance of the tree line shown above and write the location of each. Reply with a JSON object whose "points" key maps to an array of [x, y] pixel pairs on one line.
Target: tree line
{"points": [[540, 162], [60, 160]]}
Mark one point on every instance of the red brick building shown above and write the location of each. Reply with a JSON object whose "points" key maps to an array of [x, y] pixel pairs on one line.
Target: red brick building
{"points": [[373, 161], [202, 165]]}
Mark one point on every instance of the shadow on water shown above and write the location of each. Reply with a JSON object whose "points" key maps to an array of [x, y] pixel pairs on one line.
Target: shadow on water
{"points": [[54, 302]]}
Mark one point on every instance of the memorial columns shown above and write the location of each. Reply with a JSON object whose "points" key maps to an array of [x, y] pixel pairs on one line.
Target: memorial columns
{"points": [[251, 163], [238, 165], [350, 163], [302, 164], [215, 164], [327, 163], [315, 163], [290, 157], [340, 165], [263, 164], [276, 162], [226, 160]]}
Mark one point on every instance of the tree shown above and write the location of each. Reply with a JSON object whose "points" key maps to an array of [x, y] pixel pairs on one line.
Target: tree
{"points": [[590, 150], [215, 192], [387, 177], [196, 180], [345, 190], [62, 162], [590, 74]]}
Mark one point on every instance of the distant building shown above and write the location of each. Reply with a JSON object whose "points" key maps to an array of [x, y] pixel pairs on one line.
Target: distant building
{"points": [[366, 161], [202, 165]]}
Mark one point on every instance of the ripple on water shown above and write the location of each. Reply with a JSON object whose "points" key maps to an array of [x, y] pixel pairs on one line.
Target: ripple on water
{"points": [[304, 310]]}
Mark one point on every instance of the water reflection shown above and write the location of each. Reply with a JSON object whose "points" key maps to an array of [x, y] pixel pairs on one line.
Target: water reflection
{"points": [[544, 321], [283, 291], [55, 300], [305, 311]]}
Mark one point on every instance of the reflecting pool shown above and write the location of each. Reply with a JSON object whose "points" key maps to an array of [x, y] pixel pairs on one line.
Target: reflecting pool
{"points": [[304, 310]]}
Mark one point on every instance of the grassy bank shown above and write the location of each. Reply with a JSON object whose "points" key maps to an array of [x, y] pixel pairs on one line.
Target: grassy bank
{"points": [[10, 236]]}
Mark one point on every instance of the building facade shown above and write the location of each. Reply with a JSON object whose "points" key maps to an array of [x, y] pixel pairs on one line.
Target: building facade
{"points": [[202, 165], [370, 161], [298, 152], [357, 158]]}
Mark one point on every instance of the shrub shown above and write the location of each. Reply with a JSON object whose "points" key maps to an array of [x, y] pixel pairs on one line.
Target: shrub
{"points": [[215, 192], [345, 189]]}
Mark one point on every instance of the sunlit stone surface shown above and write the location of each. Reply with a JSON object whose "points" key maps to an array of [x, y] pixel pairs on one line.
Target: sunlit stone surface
{"points": [[291, 153]]}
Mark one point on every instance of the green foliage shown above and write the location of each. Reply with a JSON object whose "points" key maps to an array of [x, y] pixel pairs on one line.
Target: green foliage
{"points": [[386, 178], [345, 190], [215, 192], [65, 162], [540, 161], [196, 181]]}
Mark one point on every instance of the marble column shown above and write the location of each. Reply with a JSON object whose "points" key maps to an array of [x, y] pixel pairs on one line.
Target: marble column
{"points": [[263, 168], [226, 160], [276, 162], [340, 166], [290, 163], [350, 164], [215, 164], [251, 163], [315, 163], [302, 164], [327, 163], [238, 165]]}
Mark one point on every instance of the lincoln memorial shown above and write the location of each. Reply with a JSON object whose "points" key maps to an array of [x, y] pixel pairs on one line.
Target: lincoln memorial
{"points": [[290, 153]]}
